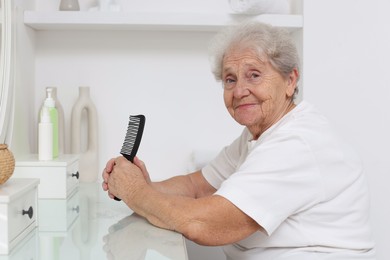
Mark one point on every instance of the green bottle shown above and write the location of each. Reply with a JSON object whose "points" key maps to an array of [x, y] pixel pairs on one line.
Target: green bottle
{"points": [[50, 104]]}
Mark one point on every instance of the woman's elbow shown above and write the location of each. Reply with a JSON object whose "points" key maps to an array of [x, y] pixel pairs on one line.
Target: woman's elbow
{"points": [[202, 234]]}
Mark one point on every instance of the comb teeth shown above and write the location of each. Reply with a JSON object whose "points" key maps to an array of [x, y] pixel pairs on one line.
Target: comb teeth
{"points": [[133, 136]]}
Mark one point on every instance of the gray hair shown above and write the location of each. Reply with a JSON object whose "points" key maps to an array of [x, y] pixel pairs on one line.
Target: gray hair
{"points": [[272, 42]]}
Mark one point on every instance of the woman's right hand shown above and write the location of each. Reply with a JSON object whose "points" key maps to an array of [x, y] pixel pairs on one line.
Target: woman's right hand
{"points": [[106, 173]]}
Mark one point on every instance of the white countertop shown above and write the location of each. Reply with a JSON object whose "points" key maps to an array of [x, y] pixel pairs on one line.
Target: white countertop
{"points": [[104, 229]]}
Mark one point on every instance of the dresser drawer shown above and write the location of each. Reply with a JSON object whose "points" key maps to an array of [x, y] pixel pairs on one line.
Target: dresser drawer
{"points": [[18, 211], [58, 178], [22, 213], [26, 249]]}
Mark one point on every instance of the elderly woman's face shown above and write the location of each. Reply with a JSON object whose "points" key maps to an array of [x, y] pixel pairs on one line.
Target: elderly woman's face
{"points": [[255, 94]]}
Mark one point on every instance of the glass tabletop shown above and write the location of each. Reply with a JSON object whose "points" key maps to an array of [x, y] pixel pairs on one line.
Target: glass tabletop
{"points": [[88, 226]]}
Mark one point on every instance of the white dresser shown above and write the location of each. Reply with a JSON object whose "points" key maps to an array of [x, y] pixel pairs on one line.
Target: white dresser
{"points": [[18, 212], [58, 178]]}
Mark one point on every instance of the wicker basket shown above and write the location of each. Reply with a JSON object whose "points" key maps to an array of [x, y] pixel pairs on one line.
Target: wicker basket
{"points": [[7, 163]]}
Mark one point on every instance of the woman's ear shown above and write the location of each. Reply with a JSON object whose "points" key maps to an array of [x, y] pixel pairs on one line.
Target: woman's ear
{"points": [[292, 82]]}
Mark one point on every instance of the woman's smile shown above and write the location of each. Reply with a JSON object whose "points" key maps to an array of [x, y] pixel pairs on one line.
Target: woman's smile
{"points": [[245, 106]]}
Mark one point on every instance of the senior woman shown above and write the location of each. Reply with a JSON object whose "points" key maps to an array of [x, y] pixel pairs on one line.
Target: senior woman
{"points": [[287, 188]]}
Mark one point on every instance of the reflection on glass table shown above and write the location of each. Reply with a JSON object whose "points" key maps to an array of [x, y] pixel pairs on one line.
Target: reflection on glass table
{"points": [[133, 238]]}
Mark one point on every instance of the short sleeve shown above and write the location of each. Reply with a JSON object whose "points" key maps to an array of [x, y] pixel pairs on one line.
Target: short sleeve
{"points": [[278, 178], [227, 161]]}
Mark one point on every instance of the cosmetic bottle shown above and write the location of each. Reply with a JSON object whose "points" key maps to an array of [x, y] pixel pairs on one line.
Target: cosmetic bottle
{"points": [[61, 119], [61, 122], [45, 136], [50, 104]]}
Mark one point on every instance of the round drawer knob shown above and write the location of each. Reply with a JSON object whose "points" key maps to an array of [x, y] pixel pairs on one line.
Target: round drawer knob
{"points": [[77, 175], [28, 212]]}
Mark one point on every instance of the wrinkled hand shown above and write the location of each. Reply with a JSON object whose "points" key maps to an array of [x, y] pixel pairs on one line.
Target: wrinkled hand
{"points": [[121, 177], [106, 174]]}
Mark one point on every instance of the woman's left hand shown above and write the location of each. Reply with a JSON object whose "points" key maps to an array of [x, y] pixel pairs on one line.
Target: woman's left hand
{"points": [[126, 178]]}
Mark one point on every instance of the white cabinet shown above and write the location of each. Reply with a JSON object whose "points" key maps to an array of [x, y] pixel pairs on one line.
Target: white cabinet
{"points": [[58, 178], [18, 211]]}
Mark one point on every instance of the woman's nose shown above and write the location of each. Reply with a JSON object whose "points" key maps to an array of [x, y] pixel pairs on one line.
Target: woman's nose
{"points": [[241, 89]]}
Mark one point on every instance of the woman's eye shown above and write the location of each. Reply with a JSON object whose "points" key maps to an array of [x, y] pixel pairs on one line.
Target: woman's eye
{"points": [[229, 80], [229, 83], [254, 75]]}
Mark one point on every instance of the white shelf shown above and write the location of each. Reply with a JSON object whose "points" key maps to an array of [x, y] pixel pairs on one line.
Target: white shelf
{"points": [[79, 20]]}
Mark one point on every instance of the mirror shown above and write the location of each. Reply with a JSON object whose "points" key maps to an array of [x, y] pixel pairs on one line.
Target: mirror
{"points": [[6, 71]]}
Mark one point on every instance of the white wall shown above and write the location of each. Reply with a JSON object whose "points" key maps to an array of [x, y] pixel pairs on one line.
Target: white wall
{"points": [[346, 56]]}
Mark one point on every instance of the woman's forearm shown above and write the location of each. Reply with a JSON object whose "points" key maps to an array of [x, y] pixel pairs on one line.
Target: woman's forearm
{"points": [[178, 185], [192, 185], [202, 220]]}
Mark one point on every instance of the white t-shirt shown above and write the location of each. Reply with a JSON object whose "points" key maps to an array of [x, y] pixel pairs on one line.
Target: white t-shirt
{"points": [[302, 184]]}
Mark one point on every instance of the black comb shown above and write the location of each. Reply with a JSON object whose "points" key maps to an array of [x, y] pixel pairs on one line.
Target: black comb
{"points": [[133, 138]]}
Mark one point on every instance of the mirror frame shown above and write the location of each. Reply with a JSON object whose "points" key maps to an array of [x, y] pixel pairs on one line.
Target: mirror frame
{"points": [[6, 72]]}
